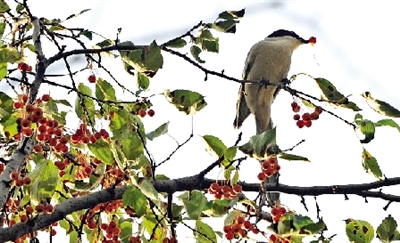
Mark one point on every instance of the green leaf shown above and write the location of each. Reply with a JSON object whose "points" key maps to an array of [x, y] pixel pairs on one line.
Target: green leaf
{"points": [[359, 231], [148, 189], [2, 28], [370, 164], [232, 14], [229, 156], [154, 227], [232, 216], [225, 26], [262, 145], [6, 105], [102, 151], [367, 128], [380, 106], [300, 221], [195, 51], [193, 202], [147, 61], [62, 102], [9, 54], [315, 228], [3, 6], [187, 101], [44, 179], [76, 15], [19, 8], [126, 230], [135, 199], [207, 41], [386, 230], [104, 90], [330, 93], [204, 233], [143, 81], [214, 145], [163, 129], [217, 208], [88, 34], [387, 122], [176, 43], [9, 123], [131, 146], [84, 106], [287, 156]]}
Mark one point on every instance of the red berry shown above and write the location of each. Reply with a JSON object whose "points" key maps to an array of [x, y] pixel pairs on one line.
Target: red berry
{"points": [[307, 123], [312, 40], [237, 188], [300, 123], [261, 176], [27, 180], [318, 109], [227, 228], [282, 210], [18, 105], [49, 208], [45, 97], [150, 112], [92, 78], [29, 209], [23, 67], [142, 113], [38, 148], [40, 208], [296, 109], [314, 116], [306, 116], [25, 98], [294, 104], [14, 175], [296, 117], [229, 236], [247, 224]]}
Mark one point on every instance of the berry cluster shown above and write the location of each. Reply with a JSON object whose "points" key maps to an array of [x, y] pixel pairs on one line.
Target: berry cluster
{"points": [[278, 239], [307, 118], [239, 228], [19, 181], [143, 112], [170, 240], [269, 168], [112, 230], [135, 239], [224, 192], [83, 135], [48, 130], [277, 213], [23, 67]]}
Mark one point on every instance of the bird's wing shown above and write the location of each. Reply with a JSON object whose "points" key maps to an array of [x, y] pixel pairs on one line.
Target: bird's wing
{"points": [[242, 110]]}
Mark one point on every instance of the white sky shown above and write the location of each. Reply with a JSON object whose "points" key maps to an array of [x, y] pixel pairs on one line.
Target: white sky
{"points": [[357, 49]]}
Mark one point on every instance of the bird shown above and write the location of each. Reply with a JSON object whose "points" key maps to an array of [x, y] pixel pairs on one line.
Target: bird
{"points": [[268, 62]]}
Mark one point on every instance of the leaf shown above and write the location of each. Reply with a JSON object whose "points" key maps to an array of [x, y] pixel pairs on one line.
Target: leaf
{"points": [[131, 145], [44, 179], [370, 164], [359, 231], [330, 93], [187, 101], [386, 230], [76, 15], [102, 151], [315, 228], [217, 208], [176, 43], [193, 202], [163, 129], [195, 51], [380, 106], [3, 6], [287, 156], [207, 41], [300, 221], [214, 145], [9, 123], [143, 81], [104, 90], [225, 26], [88, 34], [135, 199], [204, 233], [9, 54], [84, 106], [6, 105], [232, 14], [147, 60], [229, 155], [262, 145], [148, 189], [126, 230], [367, 128], [2, 28], [387, 122]]}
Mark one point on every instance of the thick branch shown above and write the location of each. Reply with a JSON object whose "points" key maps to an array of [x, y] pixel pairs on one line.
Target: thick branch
{"points": [[188, 183]]}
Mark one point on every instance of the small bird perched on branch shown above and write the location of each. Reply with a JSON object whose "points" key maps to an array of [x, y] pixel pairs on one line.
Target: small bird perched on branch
{"points": [[267, 62]]}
